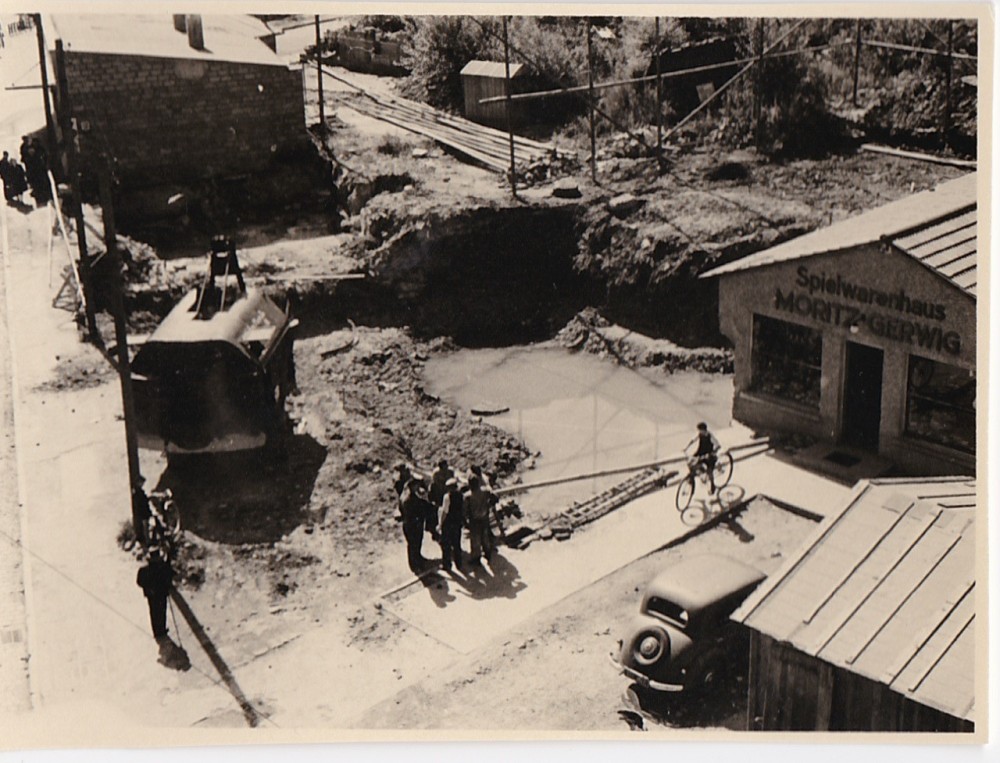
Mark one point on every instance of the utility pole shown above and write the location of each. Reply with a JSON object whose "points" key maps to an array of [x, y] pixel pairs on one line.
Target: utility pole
{"points": [[759, 85], [73, 172], [590, 85], [50, 129], [659, 102], [319, 80], [857, 60], [510, 129], [116, 290], [947, 82]]}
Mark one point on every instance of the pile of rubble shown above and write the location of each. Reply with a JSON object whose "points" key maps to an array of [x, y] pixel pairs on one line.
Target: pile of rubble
{"points": [[589, 332]]}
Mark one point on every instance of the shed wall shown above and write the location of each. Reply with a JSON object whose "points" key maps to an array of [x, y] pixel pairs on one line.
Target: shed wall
{"points": [[793, 691], [493, 114]]}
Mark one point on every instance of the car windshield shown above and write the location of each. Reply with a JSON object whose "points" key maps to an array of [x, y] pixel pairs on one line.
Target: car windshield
{"points": [[669, 610]]}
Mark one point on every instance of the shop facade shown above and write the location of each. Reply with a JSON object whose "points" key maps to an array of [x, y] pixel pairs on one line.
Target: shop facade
{"points": [[864, 333]]}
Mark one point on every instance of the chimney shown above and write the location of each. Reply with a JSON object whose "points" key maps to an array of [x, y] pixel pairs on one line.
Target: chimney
{"points": [[196, 37], [180, 22]]}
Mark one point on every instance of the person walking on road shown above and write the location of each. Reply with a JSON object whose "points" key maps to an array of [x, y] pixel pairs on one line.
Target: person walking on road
{"points": [[477, 512], [452, 522], [419, 515]]}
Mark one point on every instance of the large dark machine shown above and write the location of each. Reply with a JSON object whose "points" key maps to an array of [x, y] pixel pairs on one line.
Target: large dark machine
{"points": [[214, 375]]}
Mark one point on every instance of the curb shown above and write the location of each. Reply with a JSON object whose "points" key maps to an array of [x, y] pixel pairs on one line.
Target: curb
{"points": [[19, 467]]}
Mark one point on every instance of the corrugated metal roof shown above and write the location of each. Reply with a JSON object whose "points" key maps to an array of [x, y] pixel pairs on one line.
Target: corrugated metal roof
{"points": [[936, 227], [490, 69], [234, 38], [886, 589]]}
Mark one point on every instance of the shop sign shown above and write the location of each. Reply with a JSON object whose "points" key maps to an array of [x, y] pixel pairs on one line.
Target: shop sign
{"points": [[836, 301]]}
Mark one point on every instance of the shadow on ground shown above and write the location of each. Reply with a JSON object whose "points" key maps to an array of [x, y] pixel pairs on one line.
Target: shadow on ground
{"points": [[245, 497], [496, 579]]}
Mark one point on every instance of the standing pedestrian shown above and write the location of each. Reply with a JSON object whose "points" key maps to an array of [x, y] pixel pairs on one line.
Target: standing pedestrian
{"points": [[439, 479], [452, 522], [155, 579], [477, 512], [36, 167], [7, 175], [419, 515]]}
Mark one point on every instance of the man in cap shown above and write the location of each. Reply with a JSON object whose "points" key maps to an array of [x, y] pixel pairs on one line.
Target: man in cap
{"points": [[439, 479], [452, 522]]}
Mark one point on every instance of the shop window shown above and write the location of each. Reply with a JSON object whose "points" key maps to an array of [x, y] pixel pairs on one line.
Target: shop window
{"points": [[941, 404], [787, 361]]}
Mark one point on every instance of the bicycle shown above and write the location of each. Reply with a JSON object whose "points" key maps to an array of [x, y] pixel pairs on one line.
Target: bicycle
{"points": [[722, 472], [163, 528]]}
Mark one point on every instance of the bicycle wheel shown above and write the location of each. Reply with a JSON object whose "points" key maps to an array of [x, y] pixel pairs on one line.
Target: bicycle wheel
{"points": [[723, 470], [170, 516], [685, 491], [693, 516]]}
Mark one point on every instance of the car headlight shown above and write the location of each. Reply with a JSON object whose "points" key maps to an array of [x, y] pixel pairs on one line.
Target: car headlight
{"points": [[648, 648]]}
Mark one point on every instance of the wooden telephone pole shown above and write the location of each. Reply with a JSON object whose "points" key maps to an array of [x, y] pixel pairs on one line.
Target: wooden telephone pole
{"points": [[73, 172], [116, 292]]}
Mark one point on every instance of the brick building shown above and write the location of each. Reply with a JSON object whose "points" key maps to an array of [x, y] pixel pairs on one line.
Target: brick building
{"points": [[180, 101]]}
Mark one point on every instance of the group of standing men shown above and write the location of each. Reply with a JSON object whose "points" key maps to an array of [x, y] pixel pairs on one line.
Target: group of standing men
{"points": [[460, 507], [31, 172]]}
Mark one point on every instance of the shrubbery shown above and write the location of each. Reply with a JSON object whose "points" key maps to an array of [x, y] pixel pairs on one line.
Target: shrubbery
{"points": [[902, 91]]}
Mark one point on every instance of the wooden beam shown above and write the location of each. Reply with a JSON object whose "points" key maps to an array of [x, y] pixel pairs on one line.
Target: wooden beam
{"points": [[900, 153]]}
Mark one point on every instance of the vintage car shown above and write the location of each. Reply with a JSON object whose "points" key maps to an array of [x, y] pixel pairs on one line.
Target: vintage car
{"points": [[214, 375], [682, 639]]}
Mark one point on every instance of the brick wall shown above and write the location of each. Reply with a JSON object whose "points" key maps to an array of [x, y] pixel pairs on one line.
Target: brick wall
{"points": [[178, 121]]}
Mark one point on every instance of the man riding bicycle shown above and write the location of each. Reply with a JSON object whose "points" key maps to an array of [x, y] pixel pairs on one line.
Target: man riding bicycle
{"points": [[706, 451]]}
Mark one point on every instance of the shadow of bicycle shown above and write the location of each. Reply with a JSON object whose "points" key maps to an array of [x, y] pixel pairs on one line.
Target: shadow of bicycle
{"points": [[701, 510]]}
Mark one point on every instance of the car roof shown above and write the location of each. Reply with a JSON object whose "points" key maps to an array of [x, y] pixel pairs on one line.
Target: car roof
{"points": [[699, 581]]}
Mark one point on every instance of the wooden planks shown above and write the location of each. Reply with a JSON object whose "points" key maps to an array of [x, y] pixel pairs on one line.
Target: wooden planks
{"points": [[484, 145]]}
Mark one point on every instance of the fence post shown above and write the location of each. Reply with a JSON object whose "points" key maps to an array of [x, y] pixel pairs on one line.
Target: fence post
{"points": [[758, 84], [510, 128], [857, 60], [590, 86], [947, 83], [659, 102], [319, 81]]}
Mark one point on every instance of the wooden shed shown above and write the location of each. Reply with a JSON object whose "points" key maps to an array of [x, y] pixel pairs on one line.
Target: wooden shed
{"points": [[487, 79], [871, 625]]}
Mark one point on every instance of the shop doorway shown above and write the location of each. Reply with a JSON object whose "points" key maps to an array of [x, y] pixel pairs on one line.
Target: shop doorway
{"points": [[862, 397]]}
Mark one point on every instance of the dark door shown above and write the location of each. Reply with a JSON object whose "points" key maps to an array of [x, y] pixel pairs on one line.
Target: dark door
{"points": [[862, 396]]}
